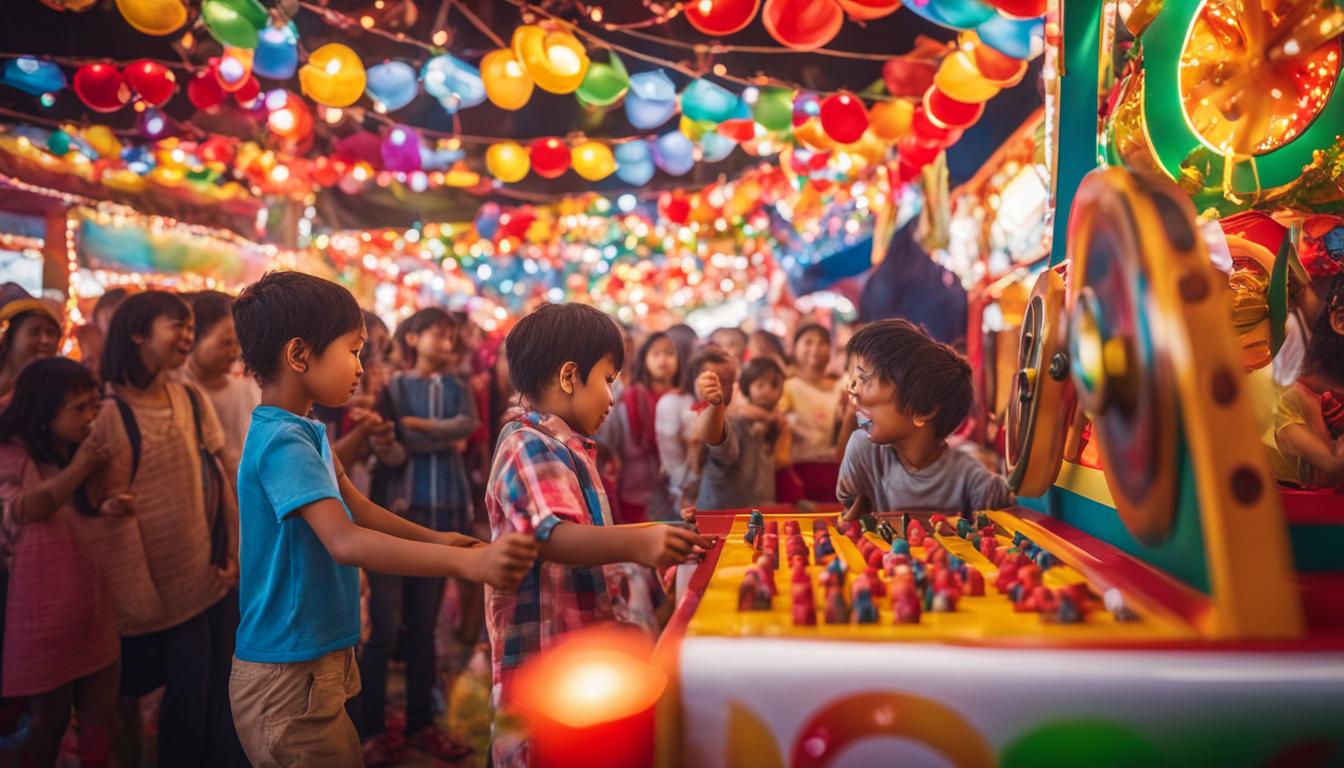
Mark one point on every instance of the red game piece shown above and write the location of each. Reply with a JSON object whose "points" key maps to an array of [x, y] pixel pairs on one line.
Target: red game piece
{"points": [[905, 606], [837, 610], [1044, 599], [975, 584], [879, 588], [804, 614], [875, 559]]}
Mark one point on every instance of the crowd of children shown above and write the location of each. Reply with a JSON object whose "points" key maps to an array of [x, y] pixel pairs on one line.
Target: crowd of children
{"points": [[253, 503]]}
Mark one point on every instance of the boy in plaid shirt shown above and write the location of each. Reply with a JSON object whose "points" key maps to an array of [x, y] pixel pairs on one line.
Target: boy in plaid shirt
{"points": [[563, 359]]}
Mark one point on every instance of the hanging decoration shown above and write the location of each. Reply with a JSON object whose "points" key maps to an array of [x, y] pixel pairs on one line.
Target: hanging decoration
{"points": [[455, 83], [400, 148], [773, 108], [550, 157], [507, 161], [101, 87], [154, 83], [234, 22], [233, 69], [844, 117], [705, 101], [392, 85], [277, 53], [33, 76], [153, 17], [634, 163], [674, 153], [721, 17], [288, 116], [333, 76], [652, 99], [554, 58], [204, 91], [604, 84], [802, 24], [593, 160], [507, 82]]}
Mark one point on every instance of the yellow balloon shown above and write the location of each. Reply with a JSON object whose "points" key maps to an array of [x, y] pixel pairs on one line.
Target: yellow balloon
{"points": [[555, 58], [890, 120], [507, 83], [167, 176], [103, 141], [154, 17], [593, 160], [869, 147], [507, 161], [811, 135], [695, 130], [334, 76], [958, 77]]}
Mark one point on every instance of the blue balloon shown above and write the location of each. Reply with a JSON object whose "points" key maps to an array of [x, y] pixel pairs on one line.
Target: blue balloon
{"points": [[393, 84], [652, 99], [487, 220], [674, 153], [277, 53], [954, 14], [455, 83], [706, 101], [1019, 38], [33, 76], [715, 147], [635, 174], [439, 159]]}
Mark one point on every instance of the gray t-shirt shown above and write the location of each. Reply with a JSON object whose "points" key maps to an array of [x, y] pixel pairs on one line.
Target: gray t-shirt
{"points": [[740, 471], [953, 482]]}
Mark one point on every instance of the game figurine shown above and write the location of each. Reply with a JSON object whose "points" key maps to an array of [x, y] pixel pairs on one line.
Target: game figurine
{"points": [[837, 569], [837, 612], [1114, 601], [864, 611], [875, 583], [975, 583], [822, 548], [767, 571], [1068, 612], [905, 607], [905, 525], [942, 603], [770, 546], [748, 593], [885, 530]]}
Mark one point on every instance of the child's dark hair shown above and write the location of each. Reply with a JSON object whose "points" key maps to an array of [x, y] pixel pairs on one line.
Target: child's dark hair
{"points": [[707, 357], [1325, 351], [929, 377], [371, 321], [39, 391], [807, 328], [429, 317], [733, 329], [640, 374], [109, 301], [121, 362], [209, 307], [772, 341], [759, 368], [554, 334], [288, 305]]}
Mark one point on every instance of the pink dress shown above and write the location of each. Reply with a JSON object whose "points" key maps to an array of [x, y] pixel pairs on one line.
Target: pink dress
{"points": [[59, 622]]}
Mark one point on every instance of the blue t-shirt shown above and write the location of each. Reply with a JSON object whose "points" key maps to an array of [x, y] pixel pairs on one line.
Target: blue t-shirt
{"points": [[297, 602]]}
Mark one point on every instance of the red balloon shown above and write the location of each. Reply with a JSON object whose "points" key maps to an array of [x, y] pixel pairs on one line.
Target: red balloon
{"points": [[950, 112], [1022, 9], [914, 152], [721, 17], [216, 149], [204, 91], [843, 117], [802, 24], [101, 87], [248, 93], [926, 130], [154, 82], [550, 157], [676, 208], [516, 222], [907, 170], [866, 10], [739, 130], [997, 67], [908, 77]]}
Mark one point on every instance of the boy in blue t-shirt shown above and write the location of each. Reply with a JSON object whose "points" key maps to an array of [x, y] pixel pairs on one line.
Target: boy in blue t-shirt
{"points": [[305, 531]]}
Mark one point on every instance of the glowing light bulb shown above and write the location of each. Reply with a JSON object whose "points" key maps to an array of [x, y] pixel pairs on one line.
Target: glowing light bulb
{"points": [[333, 67], [280, 174], [563, 59]]}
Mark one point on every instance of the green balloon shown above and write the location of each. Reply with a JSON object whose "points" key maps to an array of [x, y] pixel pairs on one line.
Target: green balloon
{"points": [[1094, 743], [234, 22], [604, 84], [58, 143], [774, 109]]}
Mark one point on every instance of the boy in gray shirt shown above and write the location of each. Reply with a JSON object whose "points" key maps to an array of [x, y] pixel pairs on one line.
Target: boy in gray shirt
{"points": [[910, 392]]}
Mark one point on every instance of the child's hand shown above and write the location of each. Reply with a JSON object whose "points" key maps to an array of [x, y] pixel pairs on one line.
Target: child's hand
{"points": [[118, 505], [665, 545], [503, 563], [415, 424], [709, 389], [688, 515], [451, 539], [383, 435]]}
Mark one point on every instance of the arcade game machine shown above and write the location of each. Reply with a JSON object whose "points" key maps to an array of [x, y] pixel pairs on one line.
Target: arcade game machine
{"points": [[1152, 599]]}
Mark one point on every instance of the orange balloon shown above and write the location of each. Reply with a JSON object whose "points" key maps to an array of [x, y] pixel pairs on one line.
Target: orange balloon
{"points": [[507, 83], [811, 135], [890, 120], [802, 24], [866, 10]]}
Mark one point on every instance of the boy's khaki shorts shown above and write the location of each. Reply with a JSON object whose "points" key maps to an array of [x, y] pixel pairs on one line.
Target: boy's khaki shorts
{"points": [[293, 714]]}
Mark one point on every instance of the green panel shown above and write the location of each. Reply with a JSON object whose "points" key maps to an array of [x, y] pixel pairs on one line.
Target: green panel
{"points": [[1317, 547], [1076, 147]]}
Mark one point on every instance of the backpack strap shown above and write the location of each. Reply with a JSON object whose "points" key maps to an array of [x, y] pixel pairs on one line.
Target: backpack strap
{"points": [[195, 414], [132, 432]]}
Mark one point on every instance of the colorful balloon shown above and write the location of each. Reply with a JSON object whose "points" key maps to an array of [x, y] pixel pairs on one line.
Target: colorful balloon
{"points": [[507, 82], [811, 135], [289, 116], [1019, 38], [392, 84], [455, 83], [867, 10], [957, 77], [154, 17], [996, 67], [905, 76], [248, 94], [333, 76], [554, 58], [550, 157], [507, 161], [233, 69], [1022, 9], [634, 162], [151, 81], [154, 124], [890, 120], [945, 110], [103, 141], [774, 108], [652, 99], [277, 53], [709, 102], [400, 148], [802, 24], [487, 220], [204, 91], [33, 76], [721, 17], [593, 160], [843, 117], [674, 153], [234, 22], [101, 87], [715, 147], [604, 84]]}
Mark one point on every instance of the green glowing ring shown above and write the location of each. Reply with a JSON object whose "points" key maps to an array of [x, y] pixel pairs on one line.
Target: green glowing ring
{"points": [[1172, 140]]}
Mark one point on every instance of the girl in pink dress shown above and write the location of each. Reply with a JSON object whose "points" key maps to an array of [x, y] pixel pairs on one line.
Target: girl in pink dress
{"points": [[61, 647]]}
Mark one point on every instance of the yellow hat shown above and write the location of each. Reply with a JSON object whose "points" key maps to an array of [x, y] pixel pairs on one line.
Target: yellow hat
{"points": [[18, 307]]}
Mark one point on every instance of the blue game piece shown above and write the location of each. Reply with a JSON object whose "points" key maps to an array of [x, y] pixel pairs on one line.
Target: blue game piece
{"points": [[901, 547], [1068, 612], [1045, 560]]}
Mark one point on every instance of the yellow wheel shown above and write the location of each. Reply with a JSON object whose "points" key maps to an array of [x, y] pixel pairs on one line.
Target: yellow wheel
{"points": [[1041, 396]]}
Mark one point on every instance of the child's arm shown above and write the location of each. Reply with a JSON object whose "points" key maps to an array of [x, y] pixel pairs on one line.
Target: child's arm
{"points": [[374, 517], [709, 425], [447, 430], [501, 564], [656, 546], [42, 500], [1325, 458], [784, 444], [857, 508]]}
